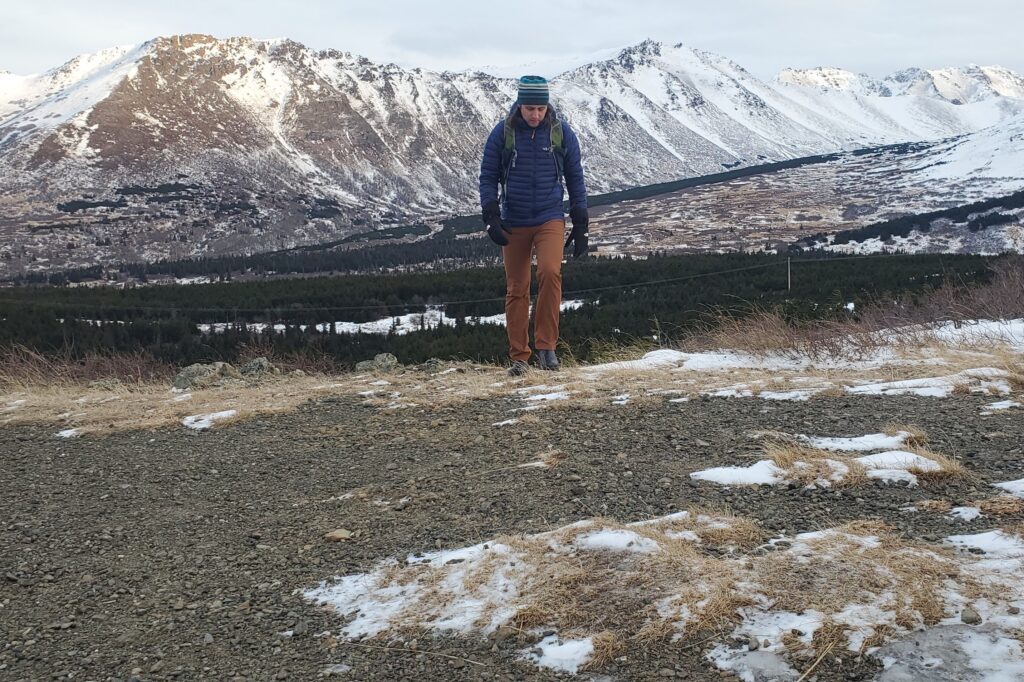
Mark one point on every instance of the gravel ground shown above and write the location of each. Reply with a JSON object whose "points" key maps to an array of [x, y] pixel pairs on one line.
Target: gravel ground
{"points": [[177, 554]]}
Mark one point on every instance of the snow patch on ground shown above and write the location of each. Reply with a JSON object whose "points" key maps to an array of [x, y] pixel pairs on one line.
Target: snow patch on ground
{"points": [[569, 655], [1013, 487], [205, 421], [474, 590], [872, 441], [965, 513]]}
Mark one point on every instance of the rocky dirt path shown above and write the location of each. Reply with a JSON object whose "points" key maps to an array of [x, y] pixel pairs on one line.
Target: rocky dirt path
{"points": [[168, 553]]}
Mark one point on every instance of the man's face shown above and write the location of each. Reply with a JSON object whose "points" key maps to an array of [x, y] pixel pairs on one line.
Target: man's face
{"points": [[533, 114]]}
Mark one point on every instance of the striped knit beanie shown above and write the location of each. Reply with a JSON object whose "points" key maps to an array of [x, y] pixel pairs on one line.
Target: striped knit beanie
{"points": [[533, 90]]}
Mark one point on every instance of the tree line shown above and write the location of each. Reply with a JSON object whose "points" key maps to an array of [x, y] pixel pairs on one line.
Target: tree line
{"points": [[664, 295]]}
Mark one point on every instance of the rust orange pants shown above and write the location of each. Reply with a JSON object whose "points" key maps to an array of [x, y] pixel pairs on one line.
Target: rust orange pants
{"points": [[547, 240]]}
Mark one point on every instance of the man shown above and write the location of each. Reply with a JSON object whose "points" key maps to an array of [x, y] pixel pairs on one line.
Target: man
{"points": [[526, 158]]}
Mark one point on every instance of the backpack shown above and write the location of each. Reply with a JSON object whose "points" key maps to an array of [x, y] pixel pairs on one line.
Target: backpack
{"points": [[508, 151]]}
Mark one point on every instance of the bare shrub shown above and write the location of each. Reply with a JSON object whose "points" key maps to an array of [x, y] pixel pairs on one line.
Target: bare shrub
{"points": [[22, 367], [934, 506], [916, 435]]}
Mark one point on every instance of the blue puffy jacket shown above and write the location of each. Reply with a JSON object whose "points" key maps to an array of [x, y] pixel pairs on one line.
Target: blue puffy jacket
{"points": [[533, 192]]}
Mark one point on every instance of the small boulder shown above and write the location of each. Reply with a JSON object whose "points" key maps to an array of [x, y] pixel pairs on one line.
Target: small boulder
{"points": [[339, 535], [432, 365], [204, 376], [382, 362], [258, 367], [970, 617], [105, 384]]}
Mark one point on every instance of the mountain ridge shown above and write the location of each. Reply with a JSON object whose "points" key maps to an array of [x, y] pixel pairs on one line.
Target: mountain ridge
{"points": [[269, 133]]}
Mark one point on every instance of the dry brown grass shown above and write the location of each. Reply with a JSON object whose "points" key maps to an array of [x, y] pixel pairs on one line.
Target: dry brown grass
{"points": [[104, 410], [880, 635], [607, 646], [22, 369], [916, 438], [834, 391], [830, 635], [934, 506], [1012, 362], [602, 351], [765, 332], [553, 458], [811, 466], [961, 389], [1001, 505], [949, 469], [1014, 529], [643, 600], [853, 572]]}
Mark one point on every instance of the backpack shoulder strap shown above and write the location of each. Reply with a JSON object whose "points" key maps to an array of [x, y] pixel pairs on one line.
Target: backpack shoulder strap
{"points": [[557, 134], [508, 149], [558, 146]]}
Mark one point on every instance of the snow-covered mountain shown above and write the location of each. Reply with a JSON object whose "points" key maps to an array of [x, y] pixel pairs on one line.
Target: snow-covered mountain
{"points": [[190, 145], [954, 85]]}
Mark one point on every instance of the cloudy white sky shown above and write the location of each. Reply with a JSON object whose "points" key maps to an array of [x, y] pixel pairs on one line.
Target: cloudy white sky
{"points": [[872, 36]]}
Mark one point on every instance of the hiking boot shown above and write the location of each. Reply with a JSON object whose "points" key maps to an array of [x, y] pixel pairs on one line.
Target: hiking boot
{"points": [[519, 368], [548, 360]]}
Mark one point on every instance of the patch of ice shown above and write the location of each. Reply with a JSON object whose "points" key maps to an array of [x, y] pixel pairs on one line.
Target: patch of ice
{"points": [[620, 399], [539, 388], [205, 421], [568, 656], [752, 666], [995, 544], [935, 387], [952, 652], [654, 360], [895, 465], [507, 422], [764, 472], [1012, 487], [617, 540], [893, 476], [872, 441], [337, 669], [1004, 405], [804, 394], [68, 433], [965, 513], [731, 392], [558, 395]]}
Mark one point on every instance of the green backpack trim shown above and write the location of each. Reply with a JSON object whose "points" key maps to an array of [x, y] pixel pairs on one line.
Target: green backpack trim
{"points": [[508, 152]]}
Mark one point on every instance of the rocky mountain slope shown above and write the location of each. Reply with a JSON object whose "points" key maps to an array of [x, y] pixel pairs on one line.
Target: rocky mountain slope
{"points": [[190, 145]]}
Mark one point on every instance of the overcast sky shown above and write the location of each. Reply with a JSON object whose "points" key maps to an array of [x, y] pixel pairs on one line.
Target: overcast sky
{"points": [[871, 36]]}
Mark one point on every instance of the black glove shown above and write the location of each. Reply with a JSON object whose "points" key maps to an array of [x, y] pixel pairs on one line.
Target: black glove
{"points": [[495, 229], [579, 237]]}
